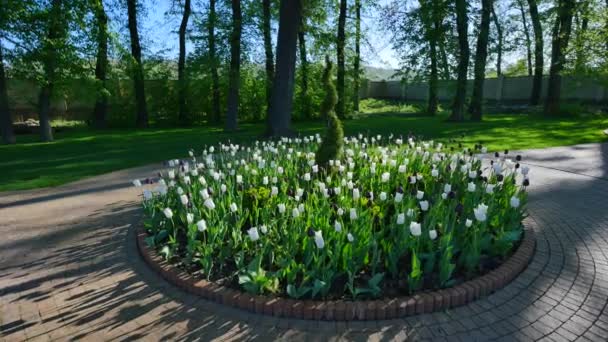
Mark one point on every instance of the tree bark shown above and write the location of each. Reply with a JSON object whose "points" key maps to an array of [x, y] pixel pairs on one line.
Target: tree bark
{"points": [[305, 99], [268, 50], [357, 62], [138, 71], [6, 122], [463, 61], [232, 108], [481, 55], [100, 111], [500, 39], [283, 84], [561, 36], [524, 21], [49, 53], [538, 54], [184, 115], [444, 56], [215, 78], [582, 19], [341, 41], [430, 16]]}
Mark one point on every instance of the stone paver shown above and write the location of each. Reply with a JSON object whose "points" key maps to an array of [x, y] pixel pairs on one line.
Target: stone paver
{"points": [[69, 270]]}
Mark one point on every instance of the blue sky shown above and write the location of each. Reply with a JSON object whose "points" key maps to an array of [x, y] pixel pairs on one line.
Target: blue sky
{"points": [[160, 31]]}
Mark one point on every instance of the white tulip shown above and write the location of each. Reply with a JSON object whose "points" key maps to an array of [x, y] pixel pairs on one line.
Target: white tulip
{"points": [[239, 179], [190, 218], [410, 212], [263, 229], [471, 187], [137, 183], [233, 207], [424, 205], [468, 223], [337, 190], [295, 212], [353, 214], [472, 174], [171, 174], [515, 202], [204, 194], [385, 177], [147, 195], [265, 180], [280, 170], [184, 199], [180, 191], [415, 228], [398, 197], [433, 234], [444, 195], [401, 218], [201, 225], [419, 194], [223, 188], [356, 194], [350, 237], [307, 176], [168, 213], [447, 188], [402, 168], [209, 204], [481, 212], [202, 180], [338, 226], [281, 207], [435, 173], [340, 211], [319, 240], [383, 196], [412, 179], [525, 170], [253, 233], [490, 188]]}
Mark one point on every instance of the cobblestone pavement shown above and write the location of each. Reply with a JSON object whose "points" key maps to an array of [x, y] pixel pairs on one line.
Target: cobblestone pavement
{"points": [[69, 270]]}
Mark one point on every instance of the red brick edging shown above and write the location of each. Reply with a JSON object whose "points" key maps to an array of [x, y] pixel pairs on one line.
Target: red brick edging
{"points": [[342, 310]]}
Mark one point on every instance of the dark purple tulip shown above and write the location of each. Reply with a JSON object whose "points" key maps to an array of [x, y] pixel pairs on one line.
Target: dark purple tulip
{"points": [[526, 182], [496, 154], [210, 191], [479, 172], [310, 232], [518, 157], [500, 178], [491, 162], [400, 189], [517, 166], [459, 208], [451, 195], [506, 152]]}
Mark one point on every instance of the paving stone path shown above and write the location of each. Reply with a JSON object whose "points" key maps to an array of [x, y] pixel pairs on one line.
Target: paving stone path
{"points": [[69, 270]]}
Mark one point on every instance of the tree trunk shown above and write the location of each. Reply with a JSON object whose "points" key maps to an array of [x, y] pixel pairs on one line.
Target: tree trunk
{"points": [[49, 53], [215, 78], [101, 66], [538, 54], [283, 84], [184, 115], [138, 71], [357, 62], [6, 122], [463, 61], [524, 21], [582, 19], [444, 56], [481, 55], [268, 51], [305, 99], [561, 36], [232, 108], [341, 41], [500, 36], [430, 17]]}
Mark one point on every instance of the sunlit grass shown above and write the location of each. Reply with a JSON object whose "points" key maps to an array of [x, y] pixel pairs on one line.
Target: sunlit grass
{"points": [[79, 152]]}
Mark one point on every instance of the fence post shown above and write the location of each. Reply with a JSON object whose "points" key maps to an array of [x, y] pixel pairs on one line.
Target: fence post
{"points": [[499, 85]]}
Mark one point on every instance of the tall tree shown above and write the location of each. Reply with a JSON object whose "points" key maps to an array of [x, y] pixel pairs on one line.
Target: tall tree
{"points": [[305, 97], [561, 36], [537, 84], [463, 61], [429, 12], [582, 20], [524, 21], [357, 61], [232, 108], [341, 42], [215, 78], [283, 84], [6, 122], [138, 70], [499, 43], [481, 54], [101, 65], [268, 50], [56, 31], [184, 115]]}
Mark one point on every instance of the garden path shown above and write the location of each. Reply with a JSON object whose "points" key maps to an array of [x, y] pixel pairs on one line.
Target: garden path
{"points": [[69, 269]]}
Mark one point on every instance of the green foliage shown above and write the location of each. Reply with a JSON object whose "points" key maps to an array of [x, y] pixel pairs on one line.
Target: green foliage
{"points": [[331, 147]]}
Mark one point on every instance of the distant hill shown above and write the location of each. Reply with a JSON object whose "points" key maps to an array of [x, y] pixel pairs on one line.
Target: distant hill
{"points": [[378, 74]]}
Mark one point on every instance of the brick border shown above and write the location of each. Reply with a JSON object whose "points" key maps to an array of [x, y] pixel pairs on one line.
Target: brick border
{"points": [[341, 310]]}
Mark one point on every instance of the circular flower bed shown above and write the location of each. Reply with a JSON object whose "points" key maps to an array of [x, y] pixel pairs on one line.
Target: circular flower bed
{"points": [[390, 217]]}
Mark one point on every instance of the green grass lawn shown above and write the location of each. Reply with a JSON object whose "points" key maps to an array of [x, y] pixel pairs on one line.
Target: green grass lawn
{"points": [[80, 153]]}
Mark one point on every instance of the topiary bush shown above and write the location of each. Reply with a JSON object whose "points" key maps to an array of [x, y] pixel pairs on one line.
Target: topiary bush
{"points": [[331, 146]]}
